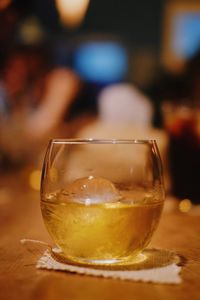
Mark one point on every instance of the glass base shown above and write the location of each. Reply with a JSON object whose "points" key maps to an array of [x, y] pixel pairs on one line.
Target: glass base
{"points": [[132, 259]]}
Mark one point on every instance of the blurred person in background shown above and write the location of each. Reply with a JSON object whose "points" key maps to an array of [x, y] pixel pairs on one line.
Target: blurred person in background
{"points": [[21, 77], [34, 99]]}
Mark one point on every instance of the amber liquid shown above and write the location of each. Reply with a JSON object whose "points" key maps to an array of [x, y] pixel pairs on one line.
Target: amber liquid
{"points": [[97, 233]]}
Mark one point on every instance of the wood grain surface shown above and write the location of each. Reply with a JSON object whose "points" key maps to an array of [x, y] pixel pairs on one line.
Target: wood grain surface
{"points": [[20, 218]]}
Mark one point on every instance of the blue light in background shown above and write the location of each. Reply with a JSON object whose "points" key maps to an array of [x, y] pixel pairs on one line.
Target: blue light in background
{"points": [[104, 62], [186, 34]]}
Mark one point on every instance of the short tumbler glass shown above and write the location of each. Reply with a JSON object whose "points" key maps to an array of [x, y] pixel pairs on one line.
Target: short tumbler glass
{"points": [[101, 200]]}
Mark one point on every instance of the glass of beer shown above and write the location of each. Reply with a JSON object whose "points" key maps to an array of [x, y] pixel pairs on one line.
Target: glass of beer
{"points": [[101, 200]]}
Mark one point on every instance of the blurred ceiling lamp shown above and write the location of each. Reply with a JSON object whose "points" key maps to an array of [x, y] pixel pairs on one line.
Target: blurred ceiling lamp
{"points": [[72, 12], [4, 4]]}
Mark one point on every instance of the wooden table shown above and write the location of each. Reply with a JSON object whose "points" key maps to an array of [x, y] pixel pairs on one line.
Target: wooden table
{"points": [[20, 218]]}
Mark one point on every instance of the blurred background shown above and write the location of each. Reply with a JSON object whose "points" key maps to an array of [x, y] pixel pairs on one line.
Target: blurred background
{"points": [[101, 69]]}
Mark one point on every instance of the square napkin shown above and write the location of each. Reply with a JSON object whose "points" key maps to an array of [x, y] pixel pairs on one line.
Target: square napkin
{"points": [[158, 266]]}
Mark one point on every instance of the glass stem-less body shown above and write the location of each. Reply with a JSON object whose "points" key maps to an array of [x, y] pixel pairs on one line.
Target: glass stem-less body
{"points": [[101, 215]]}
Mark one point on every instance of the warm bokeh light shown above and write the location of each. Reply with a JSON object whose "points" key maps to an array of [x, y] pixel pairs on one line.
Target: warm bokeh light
{"points": [[185, 205], [4, 4], [34, 180], [72, 12], [30, 31]]}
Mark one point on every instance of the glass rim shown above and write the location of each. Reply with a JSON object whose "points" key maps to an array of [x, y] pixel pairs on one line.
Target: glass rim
{"points": [[79, 141]]}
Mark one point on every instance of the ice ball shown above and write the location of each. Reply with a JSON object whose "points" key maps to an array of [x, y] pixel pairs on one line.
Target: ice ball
{"points": [[93, 190]]}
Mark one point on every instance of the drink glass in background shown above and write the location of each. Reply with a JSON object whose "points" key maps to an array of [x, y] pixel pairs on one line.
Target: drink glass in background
{"points": [[182, 123], [101, 200]]}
